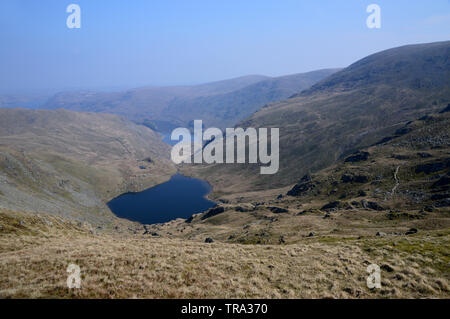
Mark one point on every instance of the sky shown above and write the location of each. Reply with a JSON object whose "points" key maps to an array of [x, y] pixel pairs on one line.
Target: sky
{"points": [[125, 44]]}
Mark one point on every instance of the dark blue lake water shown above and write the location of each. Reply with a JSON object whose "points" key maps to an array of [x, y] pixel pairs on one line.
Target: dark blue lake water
{"points": [[180, 197]]}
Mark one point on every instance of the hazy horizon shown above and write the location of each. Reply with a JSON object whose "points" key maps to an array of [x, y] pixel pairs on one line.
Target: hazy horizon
{"points": [[126, 45]]}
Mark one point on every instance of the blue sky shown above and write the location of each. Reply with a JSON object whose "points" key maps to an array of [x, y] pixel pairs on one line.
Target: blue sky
{"points": [[124, 44]]}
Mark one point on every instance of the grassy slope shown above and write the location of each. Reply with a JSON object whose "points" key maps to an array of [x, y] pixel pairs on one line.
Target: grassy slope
{"points": [[34, 256], [71, 163]]}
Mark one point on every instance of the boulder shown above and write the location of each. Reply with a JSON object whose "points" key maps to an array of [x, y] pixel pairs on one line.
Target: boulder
{"points": [[362, 193], [374, 206], [311, 234], [331, 206], [303, 186], [209, 240], [411, 231], [213, 212], [381, 234], [278, 210]]}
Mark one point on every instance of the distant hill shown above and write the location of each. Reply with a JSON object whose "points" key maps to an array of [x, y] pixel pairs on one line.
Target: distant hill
{"points": [[353, 108], [222, 103], [31, 101], [70, 163]]}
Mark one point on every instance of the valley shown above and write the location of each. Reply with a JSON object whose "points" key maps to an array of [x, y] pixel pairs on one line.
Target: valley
{"points": [[363, 178]]}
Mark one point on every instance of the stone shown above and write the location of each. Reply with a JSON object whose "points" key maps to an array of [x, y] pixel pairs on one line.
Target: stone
{"points": [[213, 212], [209, 240], [303, 186], [387, 268], [312, 234], [424, 155], [331, 206], [381, 234], [374, 206], [411, 231], [278, 210]]}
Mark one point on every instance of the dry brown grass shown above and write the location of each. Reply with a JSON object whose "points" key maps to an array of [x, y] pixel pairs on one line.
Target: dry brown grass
{"points": [[34, 256]]}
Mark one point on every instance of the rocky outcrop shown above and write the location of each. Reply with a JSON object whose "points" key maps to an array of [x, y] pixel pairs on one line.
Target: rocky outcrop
{"points": [[277, 210], [357, 157], [429, 168], [213, 212], [331, 206], [302, 187]]}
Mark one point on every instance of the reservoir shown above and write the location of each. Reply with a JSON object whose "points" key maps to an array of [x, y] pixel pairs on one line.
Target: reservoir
{"points": [[180, 197]]}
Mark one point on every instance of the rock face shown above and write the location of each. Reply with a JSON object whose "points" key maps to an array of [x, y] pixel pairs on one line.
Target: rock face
{"points": [[447, 109], [429, 168], [346, 178], [213, 212], [303, 186], [357, 157]]}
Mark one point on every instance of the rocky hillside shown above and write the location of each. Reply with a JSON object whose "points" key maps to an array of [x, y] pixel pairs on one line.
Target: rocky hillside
{"points": [[219, 104], [70, 164], [387, 204], [401, 182]]}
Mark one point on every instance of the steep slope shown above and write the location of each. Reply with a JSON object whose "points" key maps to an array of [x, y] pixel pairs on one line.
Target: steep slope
{"points": [[225, 110], [353, 108], [70, 163], [395, 188], [222, 103]]}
